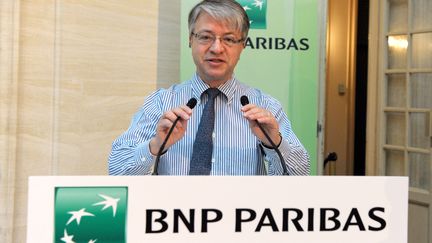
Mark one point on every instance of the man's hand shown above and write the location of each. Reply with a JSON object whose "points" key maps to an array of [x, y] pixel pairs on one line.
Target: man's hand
{"points": [[164, 125], [269, 123]]}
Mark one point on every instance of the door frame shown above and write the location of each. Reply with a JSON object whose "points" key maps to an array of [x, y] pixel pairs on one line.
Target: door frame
{"points": [[375, 136]]}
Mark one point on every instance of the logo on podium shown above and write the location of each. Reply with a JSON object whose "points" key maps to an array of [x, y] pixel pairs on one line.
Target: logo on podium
{"points": [[90, 214]]}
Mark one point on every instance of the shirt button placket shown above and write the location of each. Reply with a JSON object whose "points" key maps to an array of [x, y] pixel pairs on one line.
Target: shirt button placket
{"points": [[214, 138]]}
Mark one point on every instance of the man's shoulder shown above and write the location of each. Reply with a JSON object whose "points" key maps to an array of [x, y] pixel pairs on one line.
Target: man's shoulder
{"points": [[174, 89], [180, 87]]}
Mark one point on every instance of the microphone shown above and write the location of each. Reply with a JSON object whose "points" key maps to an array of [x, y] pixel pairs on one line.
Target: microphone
{"points": [[244, 101], [191, 104]]}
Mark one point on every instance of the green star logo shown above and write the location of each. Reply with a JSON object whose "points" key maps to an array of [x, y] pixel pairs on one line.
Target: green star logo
{"points": [[90, 214], [257, 12]]}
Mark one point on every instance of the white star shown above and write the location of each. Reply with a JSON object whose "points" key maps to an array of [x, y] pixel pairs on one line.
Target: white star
{"points": [[246, 8], [258, 3], [76, 215], [109, 202], [67, 238], [92, 241]]}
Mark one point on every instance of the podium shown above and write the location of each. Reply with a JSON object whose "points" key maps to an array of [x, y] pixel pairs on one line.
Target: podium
{"points": [[192, 209]]}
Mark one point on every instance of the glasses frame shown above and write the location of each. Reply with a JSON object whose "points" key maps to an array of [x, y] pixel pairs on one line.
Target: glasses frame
{"points": [[226, 42]]}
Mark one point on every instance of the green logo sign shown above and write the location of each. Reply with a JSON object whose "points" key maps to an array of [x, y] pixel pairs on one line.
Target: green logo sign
{"points": [[257, 12], [90, 214]]}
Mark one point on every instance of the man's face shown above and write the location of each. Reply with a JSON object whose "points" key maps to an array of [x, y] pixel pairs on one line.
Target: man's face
{"points": [[215, 61]]}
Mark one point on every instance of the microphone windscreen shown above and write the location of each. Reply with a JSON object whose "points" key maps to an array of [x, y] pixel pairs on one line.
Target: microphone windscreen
{"points": [[192, 103], [244, 100]]}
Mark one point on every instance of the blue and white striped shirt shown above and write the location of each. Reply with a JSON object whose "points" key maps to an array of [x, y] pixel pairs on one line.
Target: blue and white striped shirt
{"points": [[237, 151]]}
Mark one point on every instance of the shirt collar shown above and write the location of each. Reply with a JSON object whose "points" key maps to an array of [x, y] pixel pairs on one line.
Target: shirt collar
{"points": [[228, 88]]}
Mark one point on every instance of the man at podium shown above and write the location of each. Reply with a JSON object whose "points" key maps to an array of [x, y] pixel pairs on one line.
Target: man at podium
{"points": [[211, 124]]}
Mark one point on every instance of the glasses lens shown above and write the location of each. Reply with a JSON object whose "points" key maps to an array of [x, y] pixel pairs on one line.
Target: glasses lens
{"points": [[205, 38]]}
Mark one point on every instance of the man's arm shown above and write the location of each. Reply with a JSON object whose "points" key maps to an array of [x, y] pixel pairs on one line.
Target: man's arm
{"points": [[134, 152], [130, 153], [274, 121], [293, 152]]}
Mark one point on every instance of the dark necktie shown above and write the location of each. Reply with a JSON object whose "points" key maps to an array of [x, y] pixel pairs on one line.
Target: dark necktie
{"points": [[200, 163]]}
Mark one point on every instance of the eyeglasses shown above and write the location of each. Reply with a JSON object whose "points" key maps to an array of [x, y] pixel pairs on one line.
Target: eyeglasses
{"points": [[207, 38]]}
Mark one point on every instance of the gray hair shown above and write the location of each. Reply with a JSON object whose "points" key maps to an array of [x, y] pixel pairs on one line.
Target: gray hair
{"points": [[224, 10]]}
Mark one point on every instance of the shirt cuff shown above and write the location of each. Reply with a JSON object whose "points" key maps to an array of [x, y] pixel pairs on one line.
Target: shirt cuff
{"points": [[143, 156]]}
